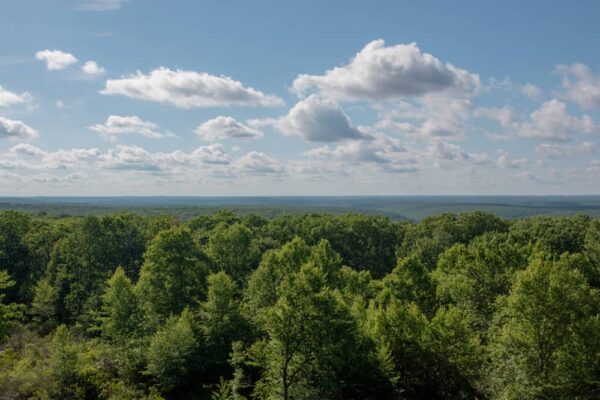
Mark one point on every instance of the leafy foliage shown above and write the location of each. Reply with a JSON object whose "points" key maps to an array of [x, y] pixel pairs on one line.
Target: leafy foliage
{"points": [[315, 306]]}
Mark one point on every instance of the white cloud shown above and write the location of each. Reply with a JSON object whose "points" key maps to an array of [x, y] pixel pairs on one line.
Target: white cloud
{"points": [[378, 72], [222, 127], [258, 163], [120, 165], [117, 125], [581, 85], [431, 117], [529, 176], [547, 150], [30, 157], [505, 116], [531, 91], [59, 104], [506, 162], [552, 121], [188, 89], [92, 68], [16, 129], [316, 119], [55, 59], [27, 149], [99, 5], [48, 178], [130, 158], [384, 151], [8, 98], [70, 158], [212, 154], [444, 151]]}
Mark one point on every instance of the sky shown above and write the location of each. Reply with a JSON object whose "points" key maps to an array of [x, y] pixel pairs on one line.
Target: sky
{"points": [[246, 98]]}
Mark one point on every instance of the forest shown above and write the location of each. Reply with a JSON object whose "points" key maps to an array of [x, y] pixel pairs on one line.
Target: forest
{"points": [[312, 306]]}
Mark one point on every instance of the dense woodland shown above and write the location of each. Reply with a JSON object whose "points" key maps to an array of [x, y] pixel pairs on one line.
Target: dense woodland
{"points": [[466, 306]]}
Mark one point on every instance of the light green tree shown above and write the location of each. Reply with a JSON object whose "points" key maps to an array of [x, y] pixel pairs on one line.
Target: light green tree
{"points": [[63, 364], [121, 316], [547, 342], [472, 276], [310, 332], [173, 275], [43, 306]]}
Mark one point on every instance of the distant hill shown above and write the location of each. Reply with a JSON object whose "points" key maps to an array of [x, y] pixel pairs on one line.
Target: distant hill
{"points": [[395, 207]]}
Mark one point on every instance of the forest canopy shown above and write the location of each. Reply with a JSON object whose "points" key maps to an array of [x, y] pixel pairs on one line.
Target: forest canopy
{"points": [[313, 306]]}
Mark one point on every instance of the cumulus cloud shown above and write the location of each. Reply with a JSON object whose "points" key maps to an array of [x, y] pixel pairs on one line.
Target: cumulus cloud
{"points": [[444, 151], [10, 128], [580, 85], [117, 125], [384, 151], [93, 69], [529, 176], [505, 116], [432, 117], [188, 89], [27, 149], [56, 60], [316, 119], [531, 91], [222, 127], [28, 156], [552, 121], [258, 163], [8, 98], [548, 150], [121, 164], [99, 5], [130, 158], [212, 154], [380, 72], [506, 162]]}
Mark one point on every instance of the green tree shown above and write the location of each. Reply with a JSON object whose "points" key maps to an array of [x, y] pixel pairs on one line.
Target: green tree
{"points": [[430, 237], [232, 250], [592, 252], [173, 275], [43, 306], [458, 351], [472, 276], [274, 267], [82, 262], [555, 235], [171, 351], [310, 332], [10, 314], [64, 365], [410, 282], [121, 314], [547, 341], [423, 359], [221, 322], [14, 254]]}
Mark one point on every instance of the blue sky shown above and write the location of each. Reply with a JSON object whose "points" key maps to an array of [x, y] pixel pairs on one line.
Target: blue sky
{"points": [[144, 97]]}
